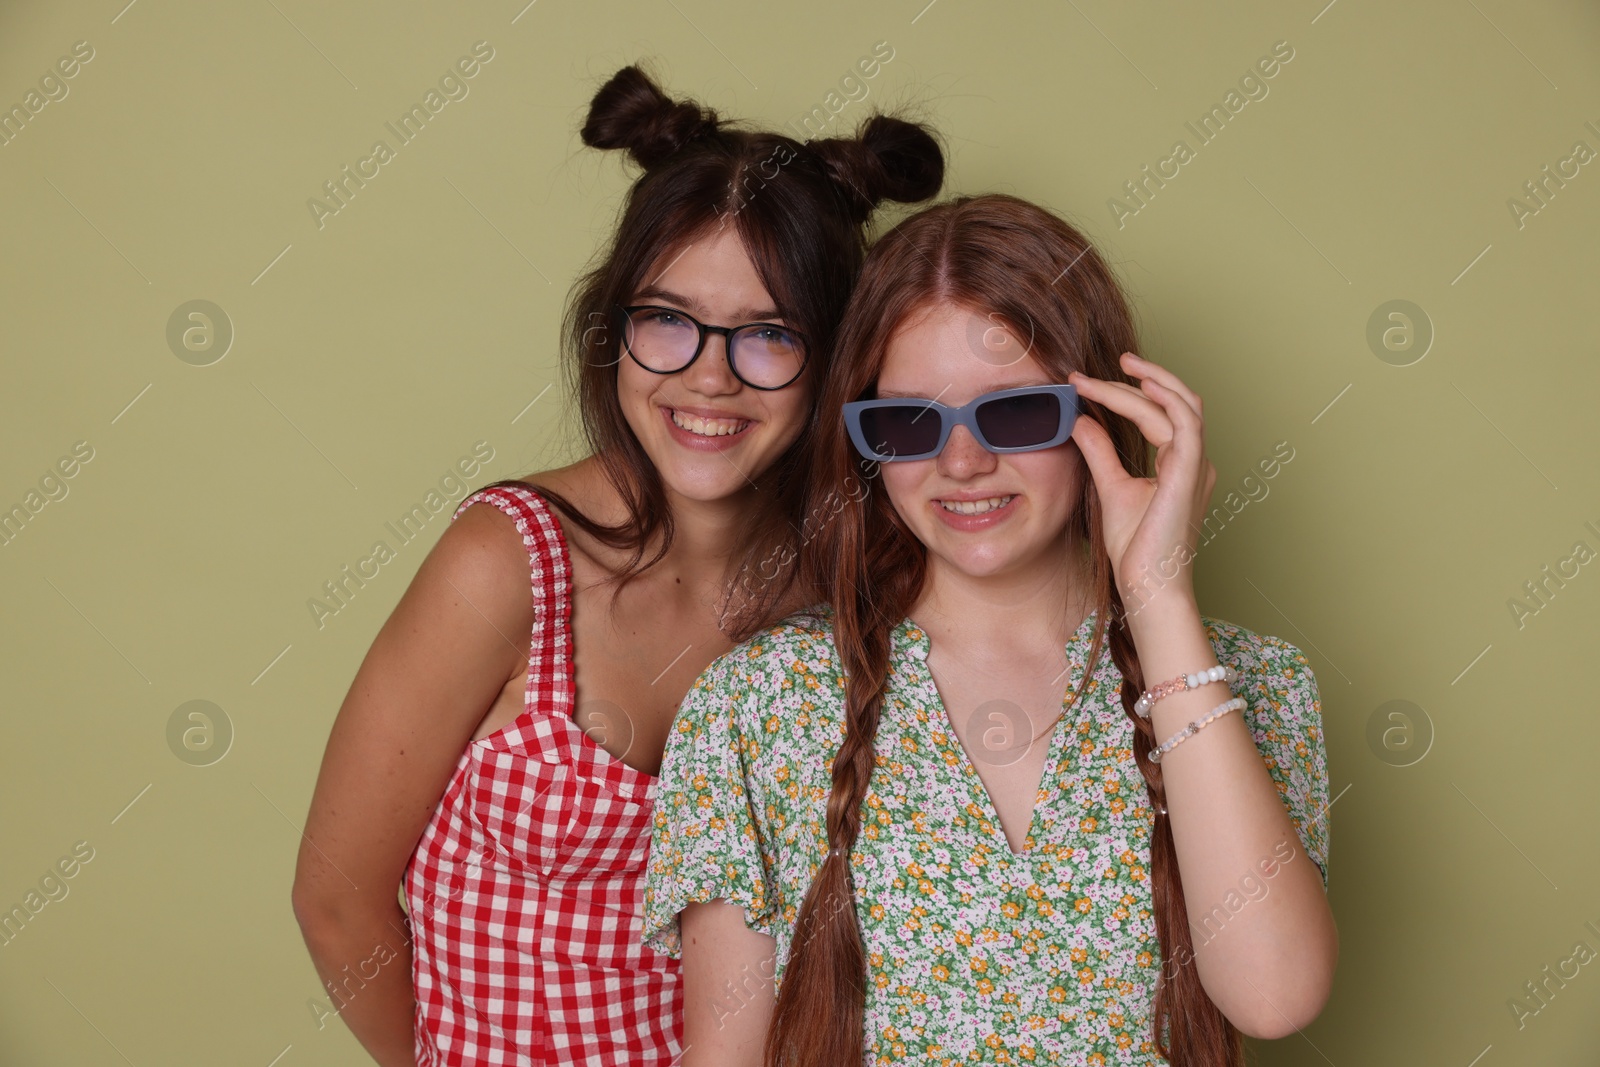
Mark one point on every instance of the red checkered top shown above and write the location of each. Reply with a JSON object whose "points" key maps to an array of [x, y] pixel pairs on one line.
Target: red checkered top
{"points": [[526, 889]]}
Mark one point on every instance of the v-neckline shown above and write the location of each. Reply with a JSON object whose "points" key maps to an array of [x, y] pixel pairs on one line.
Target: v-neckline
{"points": [[919, 644]]}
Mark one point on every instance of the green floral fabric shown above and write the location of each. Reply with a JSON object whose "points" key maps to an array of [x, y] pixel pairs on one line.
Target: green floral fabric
{"points": [[975, 954]]}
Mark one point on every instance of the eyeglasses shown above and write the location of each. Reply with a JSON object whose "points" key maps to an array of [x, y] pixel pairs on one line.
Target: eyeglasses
{"points": [[665, 340], [1009, 420]]}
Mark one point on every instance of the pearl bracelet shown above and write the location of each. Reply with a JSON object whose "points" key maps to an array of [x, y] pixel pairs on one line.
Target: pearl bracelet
{"points": [[1236, 704], [1181, 683]]}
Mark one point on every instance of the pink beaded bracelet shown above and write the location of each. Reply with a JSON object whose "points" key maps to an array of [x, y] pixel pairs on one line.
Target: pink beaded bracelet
{"points": [[1181, 683], [1236, 704]]}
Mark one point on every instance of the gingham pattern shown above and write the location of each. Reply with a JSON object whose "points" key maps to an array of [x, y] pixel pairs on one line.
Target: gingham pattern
{"points": [[526, 889]]}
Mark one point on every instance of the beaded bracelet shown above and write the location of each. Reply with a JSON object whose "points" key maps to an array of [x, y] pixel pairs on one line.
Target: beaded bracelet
{"points": [[1181, 683], [1236, 704]]}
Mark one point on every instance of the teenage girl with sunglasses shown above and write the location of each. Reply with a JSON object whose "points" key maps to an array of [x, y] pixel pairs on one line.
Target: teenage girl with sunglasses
{"points": [[930, 821], [498, 751]]}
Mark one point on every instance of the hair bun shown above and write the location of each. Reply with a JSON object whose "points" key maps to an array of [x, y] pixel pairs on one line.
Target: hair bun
{"points": [[888, 159], [630, 111]]}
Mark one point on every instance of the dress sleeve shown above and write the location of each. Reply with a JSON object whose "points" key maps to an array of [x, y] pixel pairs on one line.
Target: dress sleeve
{"points": [[1284, 712], [706, 840]]}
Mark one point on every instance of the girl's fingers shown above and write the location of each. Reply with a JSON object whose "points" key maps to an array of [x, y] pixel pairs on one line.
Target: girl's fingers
{"points": [[1187, 442], [1141, 367], [1099, 453], [1144, 409], [1145, 371], [1180, 404], [1183, 415], [1128, 387]]}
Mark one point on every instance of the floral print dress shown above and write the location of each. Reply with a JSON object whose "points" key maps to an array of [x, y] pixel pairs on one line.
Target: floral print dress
{"points": [[975, 954]]}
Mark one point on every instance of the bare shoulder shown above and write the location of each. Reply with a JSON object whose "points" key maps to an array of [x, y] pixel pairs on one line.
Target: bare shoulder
{"points": [[480, 556], [584, 487], [433, 670]]}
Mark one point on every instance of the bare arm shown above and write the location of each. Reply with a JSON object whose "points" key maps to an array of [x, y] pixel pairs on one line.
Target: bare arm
{"points": [[433, 671], [727, 986], [1270, 970]]}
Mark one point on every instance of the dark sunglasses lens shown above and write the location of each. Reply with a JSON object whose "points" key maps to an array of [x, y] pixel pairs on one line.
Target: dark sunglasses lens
{"points": [[901, 429], [661, 339], [1020, 421]]}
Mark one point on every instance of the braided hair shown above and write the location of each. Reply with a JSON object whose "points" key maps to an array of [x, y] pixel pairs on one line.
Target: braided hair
{"points": [[998, 256]]}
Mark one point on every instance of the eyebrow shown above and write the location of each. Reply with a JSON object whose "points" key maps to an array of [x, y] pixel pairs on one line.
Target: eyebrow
{"points": [[744, 315], [890, 394]]}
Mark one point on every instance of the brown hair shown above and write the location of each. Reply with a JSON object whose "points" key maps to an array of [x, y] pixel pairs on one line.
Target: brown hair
{"points": [[800, 210], [996, 255]]}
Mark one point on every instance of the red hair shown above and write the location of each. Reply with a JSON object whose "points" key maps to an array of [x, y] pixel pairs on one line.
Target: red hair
{"points": [[996, 255]]}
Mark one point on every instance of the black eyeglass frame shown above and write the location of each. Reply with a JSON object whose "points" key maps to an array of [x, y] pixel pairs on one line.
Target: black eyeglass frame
{"points": [[726, 332]]}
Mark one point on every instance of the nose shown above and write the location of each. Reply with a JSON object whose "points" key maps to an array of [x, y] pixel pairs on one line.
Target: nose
{"points": [[963, 457], [711, 374]]}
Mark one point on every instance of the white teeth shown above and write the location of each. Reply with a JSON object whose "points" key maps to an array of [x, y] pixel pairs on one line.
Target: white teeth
{"points": [[707, 427], [976, 507]]}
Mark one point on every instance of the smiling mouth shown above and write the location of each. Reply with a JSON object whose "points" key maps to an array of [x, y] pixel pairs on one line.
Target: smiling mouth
{"points": [[976, 507], [707, 427]]}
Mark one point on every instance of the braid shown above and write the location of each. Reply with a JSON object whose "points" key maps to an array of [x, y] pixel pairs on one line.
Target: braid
{"points": [[820, 1016], [998, 254]]}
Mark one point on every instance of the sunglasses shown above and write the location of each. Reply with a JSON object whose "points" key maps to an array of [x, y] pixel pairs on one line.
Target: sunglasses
{"points": [[1010, 420]]}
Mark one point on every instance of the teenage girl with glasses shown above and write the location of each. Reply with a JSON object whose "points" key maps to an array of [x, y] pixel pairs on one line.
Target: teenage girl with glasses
{"points": [[930, 821], [498, 751]]}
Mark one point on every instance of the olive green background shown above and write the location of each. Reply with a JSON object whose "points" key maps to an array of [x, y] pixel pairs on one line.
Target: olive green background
{"points": [[369, 354]]}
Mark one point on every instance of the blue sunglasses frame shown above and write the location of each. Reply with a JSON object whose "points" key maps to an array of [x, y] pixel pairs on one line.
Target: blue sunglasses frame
{"points": [[965, 415]]}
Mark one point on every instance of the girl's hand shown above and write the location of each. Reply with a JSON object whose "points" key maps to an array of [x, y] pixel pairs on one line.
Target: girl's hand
{"points": [[1149, 523]]}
